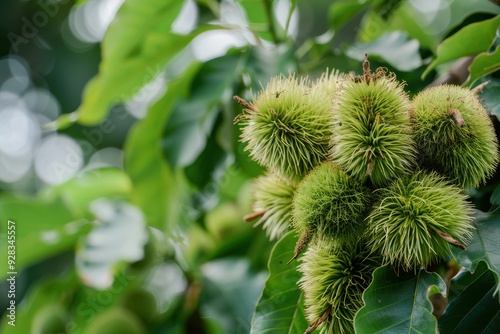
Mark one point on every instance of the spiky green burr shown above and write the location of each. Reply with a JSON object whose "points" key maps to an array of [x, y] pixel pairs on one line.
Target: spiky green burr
{"points": [[330, 202], [372, 135], [287, 127], [333, 280], [417, 218], [273, 199], [454, 135], [328, 83]]}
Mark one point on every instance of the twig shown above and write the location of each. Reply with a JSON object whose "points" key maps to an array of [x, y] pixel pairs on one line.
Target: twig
{"points": [[244, 103], [449, 239], [479, 88], [456, 75], [318, 322]]}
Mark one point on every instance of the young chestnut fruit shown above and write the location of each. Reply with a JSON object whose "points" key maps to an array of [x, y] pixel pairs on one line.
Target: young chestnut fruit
{"points": [[333, 280], [330, 203], [372, 133], [287, 127], [328, 83], [417, 218], [273, 203], [454, 135]]}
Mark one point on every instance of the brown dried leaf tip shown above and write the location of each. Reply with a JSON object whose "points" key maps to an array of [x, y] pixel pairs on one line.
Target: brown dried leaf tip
{"points": [[302, 243], [366, 69]]}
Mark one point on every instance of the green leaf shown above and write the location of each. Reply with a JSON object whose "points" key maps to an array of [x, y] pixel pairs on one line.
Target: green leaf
{"points": [[82, 317], [429, 25], [394, 47], [483, 64], [48, 294], [78, 192], [156, 189], [210, 164], [468, 41], [264, 63], [471, 306], [495, 196], [280, 308], [230, 290], [136, 46], [193, 119], [398, 302], [485, 245], [43, 228], [403, 18], [257, 17], [342, 11], [490, 96]]}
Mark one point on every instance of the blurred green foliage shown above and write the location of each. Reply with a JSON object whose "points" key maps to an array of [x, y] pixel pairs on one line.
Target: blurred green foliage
{"points": [[203, 268]]}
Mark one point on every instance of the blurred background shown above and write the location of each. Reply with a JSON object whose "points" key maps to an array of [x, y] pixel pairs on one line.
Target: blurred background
{"points": [[120, 163]]}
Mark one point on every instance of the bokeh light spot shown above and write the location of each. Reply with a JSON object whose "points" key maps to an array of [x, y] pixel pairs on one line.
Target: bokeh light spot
{"points": [[42, 102], [58, 159], [89, 21], [18, 131], [107, 157]]}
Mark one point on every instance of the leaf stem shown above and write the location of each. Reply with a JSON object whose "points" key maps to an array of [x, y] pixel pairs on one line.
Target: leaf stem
{"points": [[289, 17], [270, 21]]}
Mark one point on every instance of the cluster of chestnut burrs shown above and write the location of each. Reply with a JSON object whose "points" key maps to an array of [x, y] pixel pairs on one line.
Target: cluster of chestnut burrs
{"points": [[365, 176]]}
